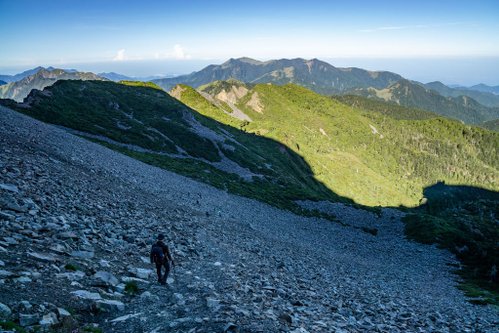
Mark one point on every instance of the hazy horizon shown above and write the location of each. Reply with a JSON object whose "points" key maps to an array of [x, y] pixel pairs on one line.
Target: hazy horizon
{"points": [[472, 70], [455, 42]]}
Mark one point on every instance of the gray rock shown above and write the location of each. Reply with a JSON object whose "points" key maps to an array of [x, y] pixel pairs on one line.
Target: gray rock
{"points": [[83, 254], [9, 187], [179, 298], [231, 328], [109, 305], [63, 313], [48, 320], [43, 256], [6, 216], [85, 294], [5, 311], [28, 319], [73, 276], [141, 273], [213, 304], [5, 274], [108, 279]]}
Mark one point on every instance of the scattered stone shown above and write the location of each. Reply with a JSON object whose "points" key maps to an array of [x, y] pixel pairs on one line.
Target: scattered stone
{"points": [[213, 304], [126, 317], [43, 256], [231, 328], [63, 313], [85, 294], [82, 254], [28, 319], [9, 187], [142, 273], [109, 305], [106, 278], [5, 274], [5, 311], [48, 320]]}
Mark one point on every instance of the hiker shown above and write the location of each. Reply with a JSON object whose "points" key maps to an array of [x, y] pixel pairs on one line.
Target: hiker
{"points": [[160, 255]]}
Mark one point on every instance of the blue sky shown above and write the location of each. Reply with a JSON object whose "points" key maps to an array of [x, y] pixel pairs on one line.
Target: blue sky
{"points": [[425, 40]]}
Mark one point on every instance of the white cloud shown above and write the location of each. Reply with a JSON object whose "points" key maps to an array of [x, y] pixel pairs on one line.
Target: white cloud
{"points": [[120, 56], [177, 52]]}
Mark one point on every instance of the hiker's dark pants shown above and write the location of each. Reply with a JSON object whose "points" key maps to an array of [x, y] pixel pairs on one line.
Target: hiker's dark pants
{"points": [[166, 265]]}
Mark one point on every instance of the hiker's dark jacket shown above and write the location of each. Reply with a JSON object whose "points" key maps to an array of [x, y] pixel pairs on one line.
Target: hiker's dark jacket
{"points": [[166, 251]]}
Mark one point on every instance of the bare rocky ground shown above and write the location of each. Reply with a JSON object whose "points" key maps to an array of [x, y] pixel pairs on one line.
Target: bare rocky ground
{"points": [[77, 221]]}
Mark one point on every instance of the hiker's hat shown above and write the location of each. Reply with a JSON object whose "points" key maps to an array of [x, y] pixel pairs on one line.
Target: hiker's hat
{"points": [[161, 237]]}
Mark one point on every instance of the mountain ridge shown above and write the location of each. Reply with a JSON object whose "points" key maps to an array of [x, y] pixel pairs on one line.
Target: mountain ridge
{"points": [[18, 90], [314, 74]]}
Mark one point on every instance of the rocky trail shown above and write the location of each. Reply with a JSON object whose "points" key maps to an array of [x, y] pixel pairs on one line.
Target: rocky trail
{"points": [[77, 221]]}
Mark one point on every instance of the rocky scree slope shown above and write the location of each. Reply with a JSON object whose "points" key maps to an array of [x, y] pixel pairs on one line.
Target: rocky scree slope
{"points": [[77, 220]]}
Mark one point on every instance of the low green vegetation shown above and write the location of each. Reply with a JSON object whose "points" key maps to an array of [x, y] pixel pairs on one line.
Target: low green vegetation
{"points": [[131, 288], [11, 326], [141, 84], [71, 267], [358, 149]]}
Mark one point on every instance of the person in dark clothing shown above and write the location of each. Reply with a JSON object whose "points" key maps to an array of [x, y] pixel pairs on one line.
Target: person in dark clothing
{"points": [[160, 255]]}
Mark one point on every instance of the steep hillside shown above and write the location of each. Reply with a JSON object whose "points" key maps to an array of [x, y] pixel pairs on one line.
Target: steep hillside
{"points": [[150, 125], [483, 97], [411, 94], [313, 74], [360, 154], [42, 78], [390, 109], [2, 83], [298, 144], [492, 125]]}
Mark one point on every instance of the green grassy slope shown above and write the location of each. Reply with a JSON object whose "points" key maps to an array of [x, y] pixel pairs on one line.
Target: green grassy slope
{"points": [[368, 156]]}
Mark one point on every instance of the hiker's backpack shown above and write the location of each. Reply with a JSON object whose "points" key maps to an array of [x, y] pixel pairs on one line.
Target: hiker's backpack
{"points": [[157, 254]]}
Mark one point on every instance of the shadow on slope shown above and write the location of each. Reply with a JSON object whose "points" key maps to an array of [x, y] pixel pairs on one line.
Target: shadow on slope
{"points": [[464, 220]]}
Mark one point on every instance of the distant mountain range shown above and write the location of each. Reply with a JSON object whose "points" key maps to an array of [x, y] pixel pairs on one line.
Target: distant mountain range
{"points": [[40, 79], [120, 77], [20, 76], [484, 88], [314, 74], [486, 98], [475, 105], [412, 94], [470, 106]]}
